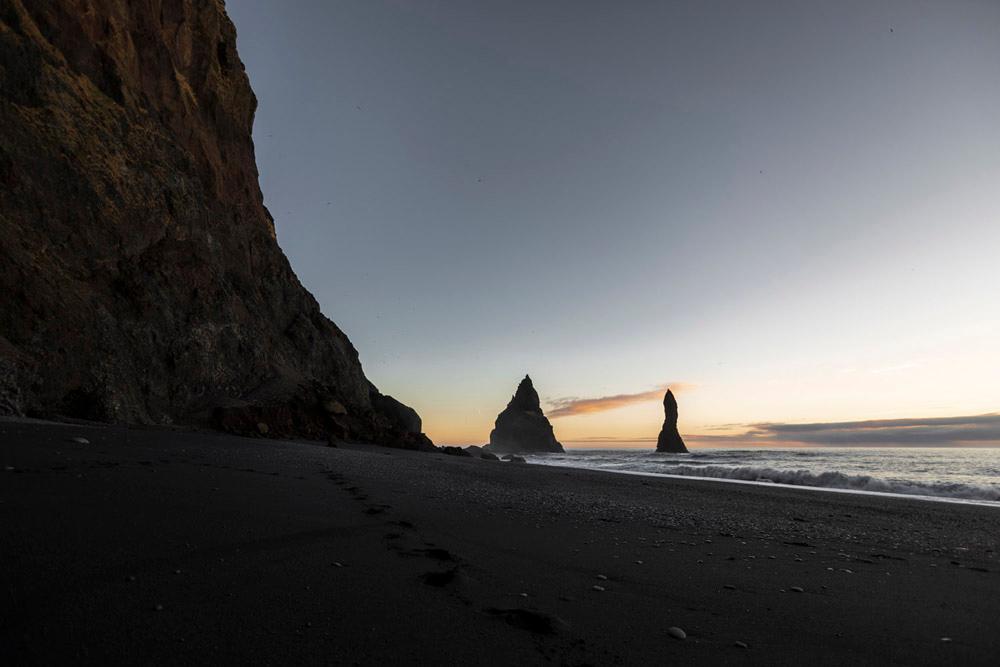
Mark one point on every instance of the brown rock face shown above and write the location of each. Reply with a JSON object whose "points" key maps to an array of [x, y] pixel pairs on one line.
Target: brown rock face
{"points": [[670, 439], [522, 426], [140, 279]]}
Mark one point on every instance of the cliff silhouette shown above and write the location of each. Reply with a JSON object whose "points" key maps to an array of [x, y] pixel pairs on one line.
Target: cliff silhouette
{"points": [[140, 277]]}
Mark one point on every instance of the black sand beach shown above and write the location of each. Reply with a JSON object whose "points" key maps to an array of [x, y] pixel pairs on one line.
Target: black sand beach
{"points": [[169, 547]]}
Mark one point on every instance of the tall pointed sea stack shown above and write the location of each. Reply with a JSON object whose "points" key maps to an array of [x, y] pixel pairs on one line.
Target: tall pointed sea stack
{"points": [[522, 426], [670, 440]]}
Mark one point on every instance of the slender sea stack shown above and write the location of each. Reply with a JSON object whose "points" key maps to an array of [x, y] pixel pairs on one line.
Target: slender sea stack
{"points": [[670, 440], [522, 427], [140, 276]]}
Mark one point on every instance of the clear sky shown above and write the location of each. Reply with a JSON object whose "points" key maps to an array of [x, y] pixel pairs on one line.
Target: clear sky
{"points": [[789, 210]]}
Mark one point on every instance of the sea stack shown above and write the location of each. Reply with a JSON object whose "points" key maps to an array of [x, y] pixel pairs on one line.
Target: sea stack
{"points": [[670, 440], [522, 427]]}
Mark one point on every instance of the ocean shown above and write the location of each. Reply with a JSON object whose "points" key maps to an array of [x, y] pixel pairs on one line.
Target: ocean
{"points": [[958, 474]]}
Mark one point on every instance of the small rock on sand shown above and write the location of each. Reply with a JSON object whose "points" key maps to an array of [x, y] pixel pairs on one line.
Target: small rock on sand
{"points": [[796, 589], [676, 632], [597, 588], [740, 645], [602, 577], [80, 441]]}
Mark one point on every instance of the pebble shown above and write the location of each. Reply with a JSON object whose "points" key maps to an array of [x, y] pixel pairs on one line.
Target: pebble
{"points": [[638, 562], [338, 564], [177, 571], [796, 589], [740, 645], [729, 587], [523, 595], [9, 468], [158, 607], [80, 441], [602, 577], [597, 588], [676, 632], [946, 639], [131, 577]]}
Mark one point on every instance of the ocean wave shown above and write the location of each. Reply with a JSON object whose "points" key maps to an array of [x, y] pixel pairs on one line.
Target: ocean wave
{"points": [[837, 480]]}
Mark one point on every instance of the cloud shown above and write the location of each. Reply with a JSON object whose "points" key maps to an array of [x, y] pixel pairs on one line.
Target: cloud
{"points": [[926, 431], [569, 407]]}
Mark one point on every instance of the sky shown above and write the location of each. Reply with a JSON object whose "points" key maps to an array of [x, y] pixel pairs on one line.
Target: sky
{"points": [[787, 211]]}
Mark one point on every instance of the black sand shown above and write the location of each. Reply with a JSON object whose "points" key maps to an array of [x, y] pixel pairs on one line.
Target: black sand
{"points": [[175, 548]]}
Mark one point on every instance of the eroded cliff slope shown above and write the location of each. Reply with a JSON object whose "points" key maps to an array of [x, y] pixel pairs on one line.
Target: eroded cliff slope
{"points": [[140, 278]]}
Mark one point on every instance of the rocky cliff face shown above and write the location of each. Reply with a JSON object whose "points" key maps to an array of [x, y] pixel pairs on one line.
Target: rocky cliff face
{"points": [[522, 426], [670, 439], [140, 278]]}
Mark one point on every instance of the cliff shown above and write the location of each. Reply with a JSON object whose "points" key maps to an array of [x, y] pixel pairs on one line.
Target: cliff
{"points": [[522, 426], [140, 277]]}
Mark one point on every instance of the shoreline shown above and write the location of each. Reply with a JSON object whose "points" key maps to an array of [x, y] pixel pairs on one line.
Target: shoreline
{"points": [[779, 485], [177, 546]]}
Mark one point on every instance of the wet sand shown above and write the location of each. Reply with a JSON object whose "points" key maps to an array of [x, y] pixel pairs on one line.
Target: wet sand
{"points": [[182, 547]]}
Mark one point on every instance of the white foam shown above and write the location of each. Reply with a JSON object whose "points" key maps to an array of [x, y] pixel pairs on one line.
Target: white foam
{"points": [[839, 480], [946, 491]]}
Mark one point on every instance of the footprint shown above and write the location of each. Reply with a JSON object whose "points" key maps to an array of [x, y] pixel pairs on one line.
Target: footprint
{"points": [[531, 620], [447, 579], [437, 554]]}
